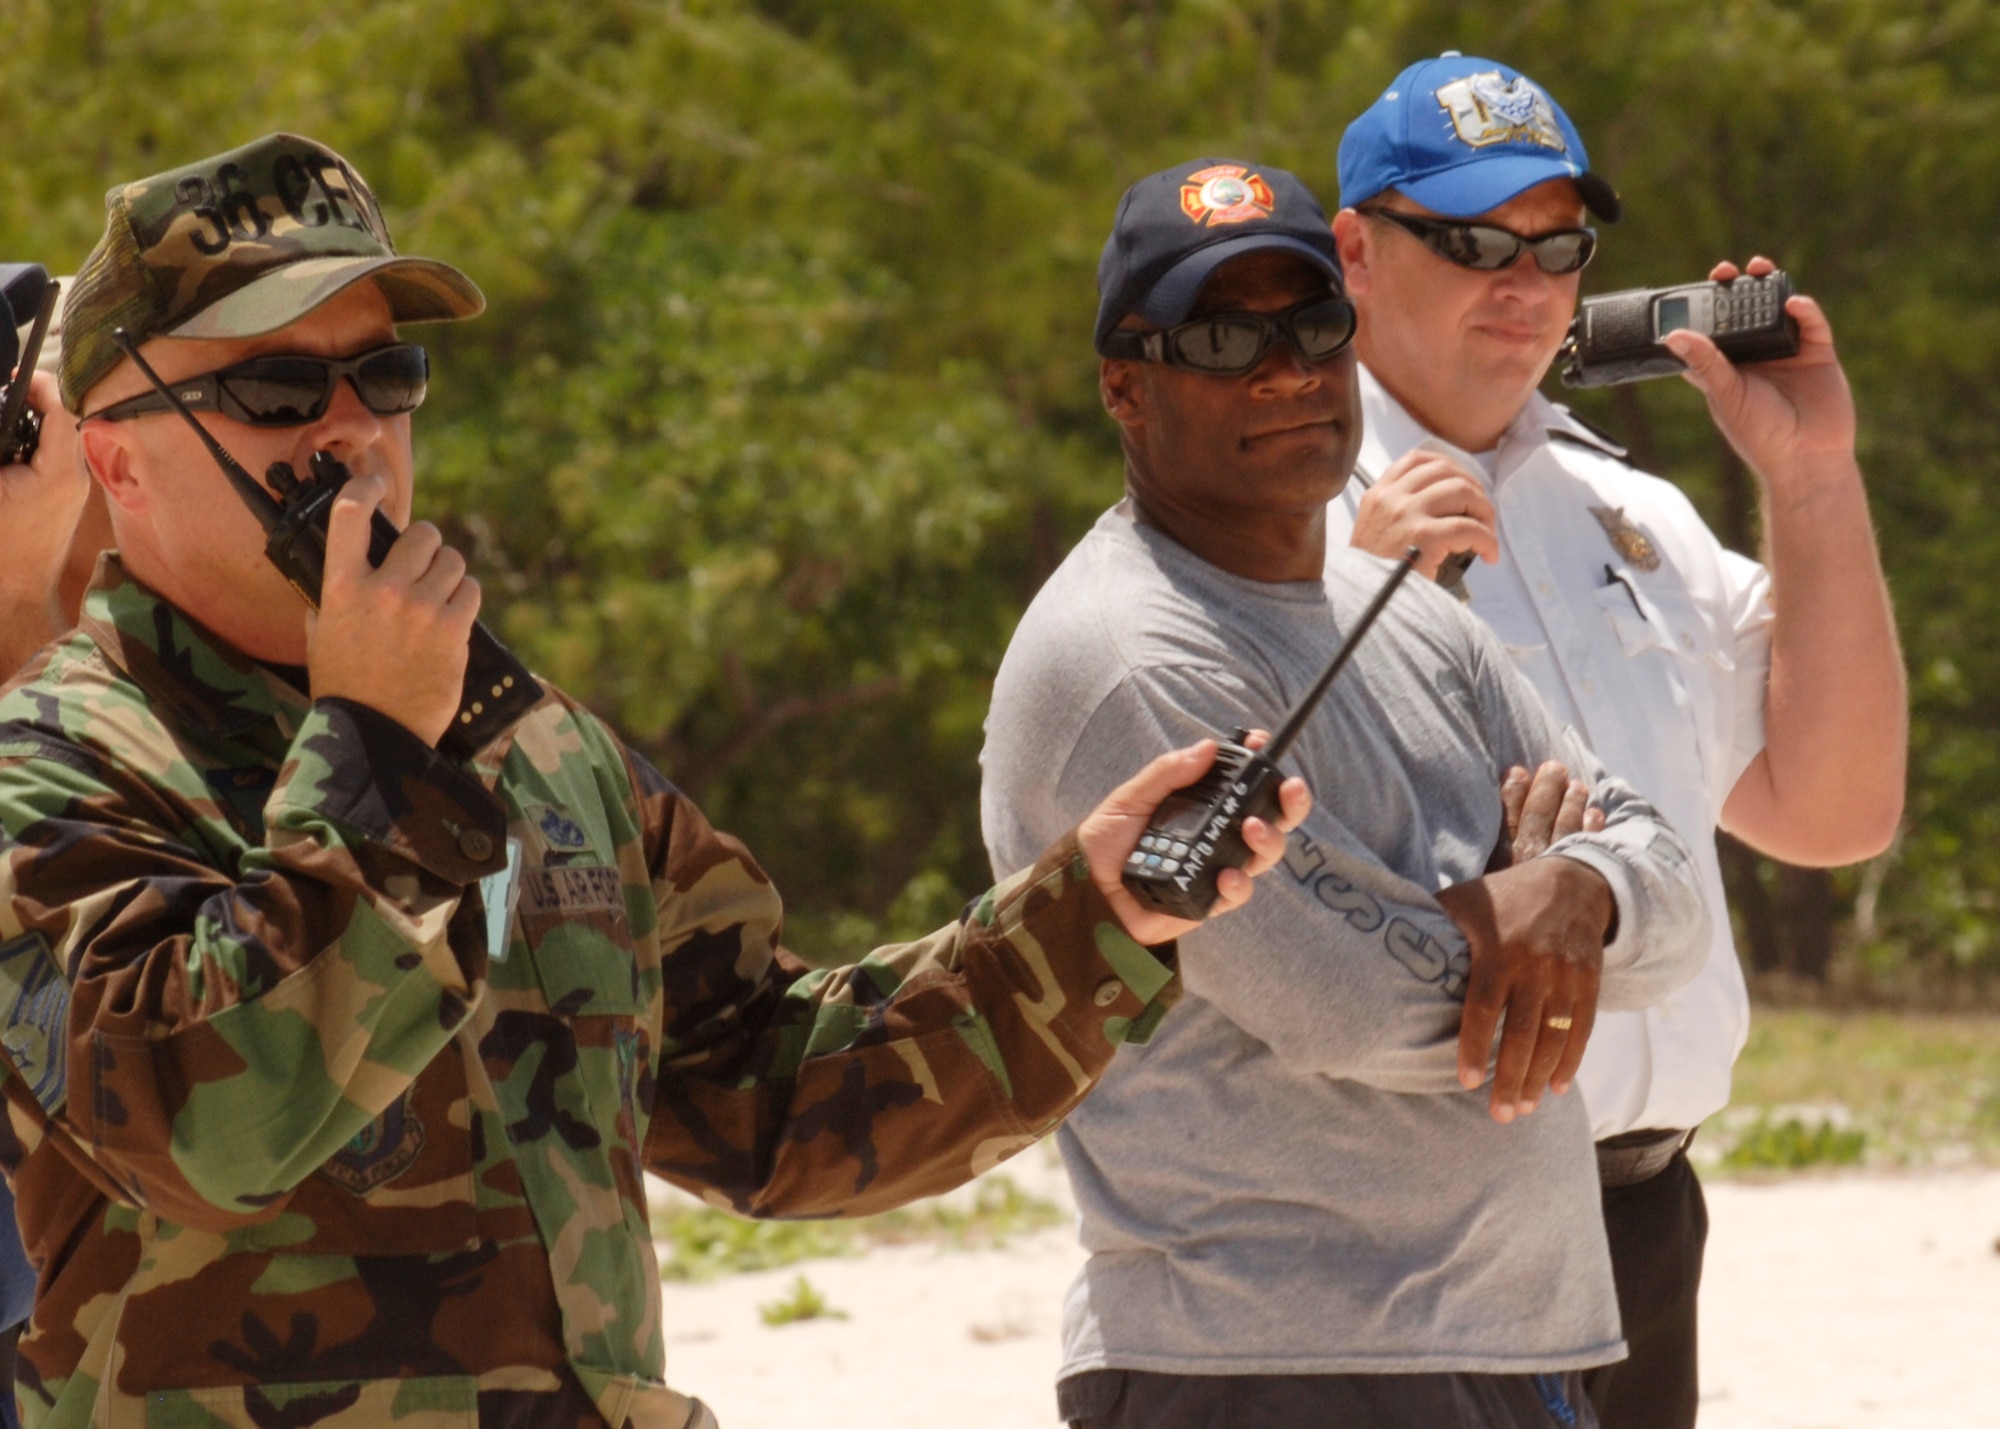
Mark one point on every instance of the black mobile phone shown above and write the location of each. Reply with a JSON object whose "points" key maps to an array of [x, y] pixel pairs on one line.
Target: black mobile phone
{"points": [[1616, 337], [1198, 829]]}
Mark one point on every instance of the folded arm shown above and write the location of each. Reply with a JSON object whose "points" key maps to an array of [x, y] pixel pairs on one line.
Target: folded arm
{"points": [[1341, 967], [1609, 916]]}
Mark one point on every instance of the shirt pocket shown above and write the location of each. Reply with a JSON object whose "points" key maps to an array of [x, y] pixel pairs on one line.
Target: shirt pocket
{"points": [[402, 1185], [578, 933], [1677, 664], [1648, 617]]}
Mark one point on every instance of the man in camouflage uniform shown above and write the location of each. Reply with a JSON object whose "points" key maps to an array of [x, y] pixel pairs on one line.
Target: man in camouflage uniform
{"points": [[332, 1065], [48, 526]]}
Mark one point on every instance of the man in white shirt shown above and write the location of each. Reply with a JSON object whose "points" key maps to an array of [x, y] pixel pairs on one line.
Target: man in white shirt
{"points": [[1766, 699]]}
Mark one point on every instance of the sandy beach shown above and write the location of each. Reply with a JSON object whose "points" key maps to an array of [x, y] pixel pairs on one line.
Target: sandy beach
{"points": [[1831, 1302]]}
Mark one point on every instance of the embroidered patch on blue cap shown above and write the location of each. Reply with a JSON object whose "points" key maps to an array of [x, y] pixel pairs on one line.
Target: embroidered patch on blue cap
{"points": [[34, 1018], [1490, 108]]}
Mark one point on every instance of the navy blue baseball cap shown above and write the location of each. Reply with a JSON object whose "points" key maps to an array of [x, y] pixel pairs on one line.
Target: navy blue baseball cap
{"points": [[1461, 136], [1177, 227]]}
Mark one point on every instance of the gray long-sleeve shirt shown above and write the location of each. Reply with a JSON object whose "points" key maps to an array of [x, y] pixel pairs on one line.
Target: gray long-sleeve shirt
{"points": [[1289, 1178]]}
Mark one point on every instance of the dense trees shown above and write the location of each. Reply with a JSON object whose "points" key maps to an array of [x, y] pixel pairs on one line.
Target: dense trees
{"points": [[785, 403]]}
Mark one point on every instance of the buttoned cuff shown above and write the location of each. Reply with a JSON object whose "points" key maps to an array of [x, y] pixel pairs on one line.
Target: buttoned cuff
{"points": [[366, 774], [1125, 987]]}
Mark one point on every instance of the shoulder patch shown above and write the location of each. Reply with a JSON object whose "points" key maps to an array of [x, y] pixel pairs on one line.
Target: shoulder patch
{"points": [[34, 1018], [1592, 438]]}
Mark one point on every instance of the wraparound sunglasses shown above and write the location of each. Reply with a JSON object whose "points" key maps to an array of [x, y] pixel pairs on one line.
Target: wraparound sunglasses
{"points": [[1482, 246], [290, 390], [1231, 344]]}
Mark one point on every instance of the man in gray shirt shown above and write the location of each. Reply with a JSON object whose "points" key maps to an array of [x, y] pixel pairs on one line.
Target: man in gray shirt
{"points": [[1319, 1195]]}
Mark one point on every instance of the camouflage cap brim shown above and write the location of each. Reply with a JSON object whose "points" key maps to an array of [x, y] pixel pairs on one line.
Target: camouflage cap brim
{"points": [[419, 290], [236, 245]]}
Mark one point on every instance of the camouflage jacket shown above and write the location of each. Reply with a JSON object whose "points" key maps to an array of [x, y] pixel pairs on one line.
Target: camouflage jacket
{"points": [[319, 1116]]}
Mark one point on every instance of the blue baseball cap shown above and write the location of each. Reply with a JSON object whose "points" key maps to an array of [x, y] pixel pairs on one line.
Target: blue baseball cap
{"points": [[1176, 227], [1461, 136]]}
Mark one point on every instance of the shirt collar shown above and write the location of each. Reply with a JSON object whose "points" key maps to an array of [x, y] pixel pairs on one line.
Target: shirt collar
{"points": [[1389, 432], [183, 668]]}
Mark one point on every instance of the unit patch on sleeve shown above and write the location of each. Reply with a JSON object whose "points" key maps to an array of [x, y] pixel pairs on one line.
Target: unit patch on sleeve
{"points": [[34, 1018]]}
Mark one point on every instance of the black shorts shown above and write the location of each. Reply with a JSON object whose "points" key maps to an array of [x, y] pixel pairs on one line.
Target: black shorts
{"points": [[1140, 1399]]}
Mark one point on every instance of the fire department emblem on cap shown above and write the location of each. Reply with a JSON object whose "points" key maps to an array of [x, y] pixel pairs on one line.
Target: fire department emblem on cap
{"points": [[1226, 193], [1626, 539], [1487, 109]]}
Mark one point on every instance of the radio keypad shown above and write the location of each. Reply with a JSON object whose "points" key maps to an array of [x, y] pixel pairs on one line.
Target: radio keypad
{"points": [[1748, 303]]}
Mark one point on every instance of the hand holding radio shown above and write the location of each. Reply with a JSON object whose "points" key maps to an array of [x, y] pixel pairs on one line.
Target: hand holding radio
{"points": [[1776, 414], [1427, 500], [1112, 831], [496, 689], [1199, 832], [394, 636]]}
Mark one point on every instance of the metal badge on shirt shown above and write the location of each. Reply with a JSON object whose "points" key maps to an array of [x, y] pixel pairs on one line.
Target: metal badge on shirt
{"points": [[1627, 539]]}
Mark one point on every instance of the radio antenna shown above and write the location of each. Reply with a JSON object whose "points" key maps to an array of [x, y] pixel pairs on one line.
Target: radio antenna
{"points": [[1302, 711], [261, 503]]}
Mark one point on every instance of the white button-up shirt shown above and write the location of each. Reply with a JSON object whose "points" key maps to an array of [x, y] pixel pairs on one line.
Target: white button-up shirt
{"points": [[1639, 629]]}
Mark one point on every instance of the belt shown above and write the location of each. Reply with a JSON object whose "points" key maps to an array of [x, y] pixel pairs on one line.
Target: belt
{"points": [[1638, 1155]]}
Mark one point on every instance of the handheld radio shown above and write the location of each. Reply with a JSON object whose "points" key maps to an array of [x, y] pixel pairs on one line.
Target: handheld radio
{"points": [[1616, 336], [499, 689], [28, 296], [1198, 830]]}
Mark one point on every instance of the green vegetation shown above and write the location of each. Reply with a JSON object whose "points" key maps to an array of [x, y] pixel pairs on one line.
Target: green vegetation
{"points": [[784, 404], [1884, 1090], [1790, 1145], [803, 1303], [700, 1243]]}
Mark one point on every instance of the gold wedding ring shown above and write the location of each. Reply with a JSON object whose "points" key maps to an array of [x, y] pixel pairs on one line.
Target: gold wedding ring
{"points": [[1560, 1024]]}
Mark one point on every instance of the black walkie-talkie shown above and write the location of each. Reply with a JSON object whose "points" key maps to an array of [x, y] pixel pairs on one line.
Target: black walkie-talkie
{"points": [[499, 689], [1198, 831], [25, 289]]}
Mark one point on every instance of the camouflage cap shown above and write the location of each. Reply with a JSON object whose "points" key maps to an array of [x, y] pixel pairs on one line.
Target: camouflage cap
{"points": [[237, 245]]}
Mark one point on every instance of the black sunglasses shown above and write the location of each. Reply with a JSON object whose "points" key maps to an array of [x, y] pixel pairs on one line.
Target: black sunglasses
{"points": [[290, 390], [1232, 344], [1482, 246]]}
